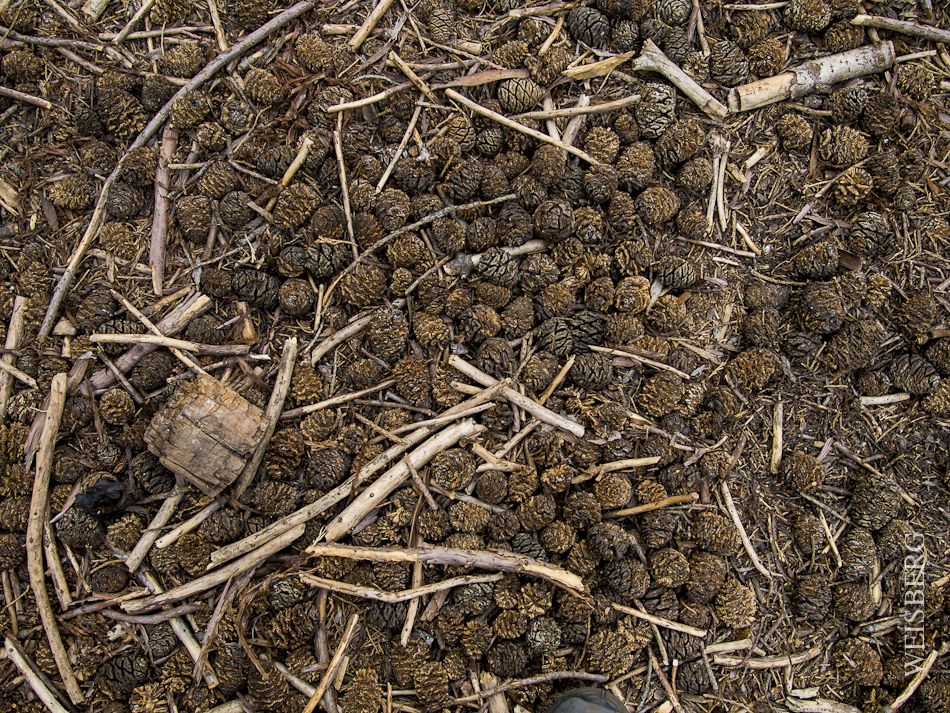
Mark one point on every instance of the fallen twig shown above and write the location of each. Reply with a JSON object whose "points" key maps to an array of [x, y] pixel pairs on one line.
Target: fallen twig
{"points": [[42, 691], [182, 631], [810, 76], [767, 662], [650, 507], [23, 97], [335, 401], [206, 582], [39, 519], [904, 27], [511, 124], [540, 412], [504, 561], [150, 619], [334, 664], [391, 479], [171, 343], [188, 525], [14, 332], [396, 597], [652, 59], [156, 251], [659, 621], [369, 23], [164, 514], [174, 322], [917, 680], [746, 542], [399, 149], [603, 108], [271, 415]]}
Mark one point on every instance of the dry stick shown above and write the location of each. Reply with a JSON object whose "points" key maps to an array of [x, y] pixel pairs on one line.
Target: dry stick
{"points": [[540, 412], [812, 75], [94, 8], [134, 311], [151, 619], [39, 519], [402, 145], [42, 691], [8, 598], [405, 595], [164, 514], [767, 662], [505, 121], [288, 15], [9, 370], [334, 665], [341, 172], [497, 702], [120, 377], [292, 168], [188, 525], [14, 332], [504, 561], [643, 359], [522, 683], [486, 77], [366, 101], [665, 682], [156, 250], [28, 98], [335, 401], [341, 492], [914, 29], [171, 343], [183, 632], [746, 542], [917, 680], [369, 23], [218, 30], [626, 464], [778, 430], [652, 59], [271, 415], [394, 477], [172, 323], [665, 623], [136, 18], [414, 78], [581, 110], [206, 582], [650, 507], [60, 585]]}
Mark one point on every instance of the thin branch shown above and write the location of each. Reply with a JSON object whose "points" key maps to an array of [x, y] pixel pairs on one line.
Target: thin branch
{"points": [[369, 23], [23, 97], [334, 665], [511, 124], [650, 507], [746, 542], [42, 691], [156, 251], [665, 623], [271, 415], [396, 597], [767, 662], [39, 519], [171, 343], [504, 561], [525, 682], [206, 582]]}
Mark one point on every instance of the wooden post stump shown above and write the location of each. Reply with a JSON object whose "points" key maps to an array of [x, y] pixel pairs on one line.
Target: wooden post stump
{"points": [[206, 433]]}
